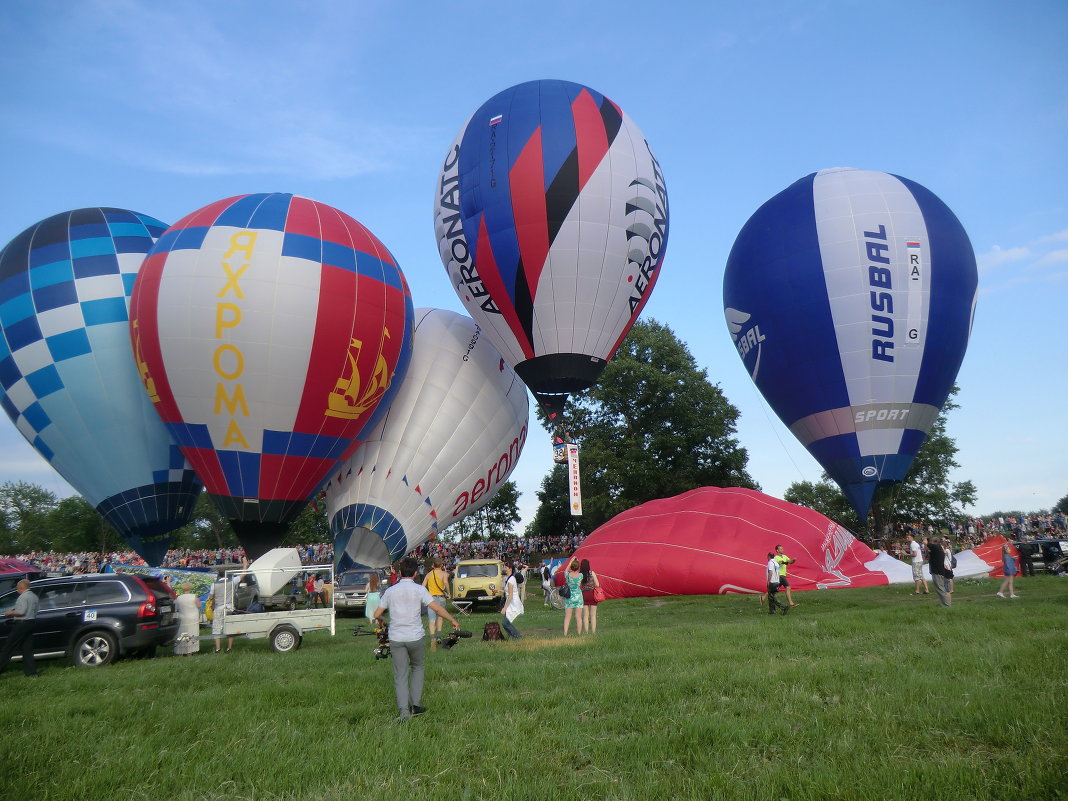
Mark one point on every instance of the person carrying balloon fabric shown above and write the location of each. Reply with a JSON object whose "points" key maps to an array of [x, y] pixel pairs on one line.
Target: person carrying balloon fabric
{"points": [[513, 604], [771, 571]]}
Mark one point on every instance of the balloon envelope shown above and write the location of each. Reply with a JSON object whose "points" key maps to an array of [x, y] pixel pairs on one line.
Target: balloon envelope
{"points": [[268, 329], [449, 440], [68, 375], [715, 540], [551, 216], [850, 297]]}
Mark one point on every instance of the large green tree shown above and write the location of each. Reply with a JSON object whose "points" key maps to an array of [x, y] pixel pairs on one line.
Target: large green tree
{"points": [[26, 510], [652, 426], [207, 528], [554, 517], [1061, 505], [926, 495], [79, 527]]}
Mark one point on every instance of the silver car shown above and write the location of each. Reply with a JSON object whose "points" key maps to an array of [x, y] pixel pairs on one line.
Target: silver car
{"points": [[350, 590]]}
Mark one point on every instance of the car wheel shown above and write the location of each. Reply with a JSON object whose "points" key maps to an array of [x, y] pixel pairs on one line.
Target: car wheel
{"points": [[95, 649], [291, 604], [284, 639]]}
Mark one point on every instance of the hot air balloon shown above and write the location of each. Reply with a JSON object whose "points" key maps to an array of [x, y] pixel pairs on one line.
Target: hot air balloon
{"points": [[450, 439], [850, 297], [551, 216], [68, 375], [713, 540], [268, 328]]}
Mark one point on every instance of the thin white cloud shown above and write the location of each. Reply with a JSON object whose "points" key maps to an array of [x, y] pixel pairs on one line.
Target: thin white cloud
{"points": [[1060, 236], [1053, 257], [213, 93], [997, 256], [1023, 264]]}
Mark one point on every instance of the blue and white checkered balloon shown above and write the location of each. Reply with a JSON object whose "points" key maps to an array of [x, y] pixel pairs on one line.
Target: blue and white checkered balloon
{"points": [[68, 377]]}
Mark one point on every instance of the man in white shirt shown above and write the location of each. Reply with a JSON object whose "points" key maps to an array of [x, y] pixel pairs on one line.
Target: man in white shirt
{"points": [[917, 565], [405, 601]]}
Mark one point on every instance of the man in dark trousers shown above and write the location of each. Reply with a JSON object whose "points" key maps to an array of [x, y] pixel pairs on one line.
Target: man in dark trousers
{"points": [[25, 613], [771, 570], [405, 601], [1027, 556], [940, 571]]}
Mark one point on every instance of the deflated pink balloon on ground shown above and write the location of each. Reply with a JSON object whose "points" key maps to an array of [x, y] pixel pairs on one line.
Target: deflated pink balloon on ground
{"points": [[713, 540]]}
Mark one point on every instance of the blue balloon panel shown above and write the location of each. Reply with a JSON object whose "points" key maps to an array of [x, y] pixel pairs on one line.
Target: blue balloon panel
{"points": [[849, 296], [69, 380], [353, 549]]}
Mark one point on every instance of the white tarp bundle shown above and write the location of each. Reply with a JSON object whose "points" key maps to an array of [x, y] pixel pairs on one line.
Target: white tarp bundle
{"points": [[275, 568]]}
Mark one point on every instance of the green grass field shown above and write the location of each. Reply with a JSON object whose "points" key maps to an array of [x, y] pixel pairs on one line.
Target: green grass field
{"points": [[857, 694]]}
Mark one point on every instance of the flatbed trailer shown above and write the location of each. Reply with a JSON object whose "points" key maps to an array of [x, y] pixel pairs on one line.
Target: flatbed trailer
{"points": [[285, 628]]}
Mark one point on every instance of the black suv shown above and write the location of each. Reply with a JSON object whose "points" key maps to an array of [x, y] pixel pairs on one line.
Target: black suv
{"points": [[95, 618]]}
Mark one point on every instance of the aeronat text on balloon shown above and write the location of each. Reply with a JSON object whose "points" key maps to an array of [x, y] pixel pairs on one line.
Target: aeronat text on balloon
{"points": [[647, 258], [453, 245]]}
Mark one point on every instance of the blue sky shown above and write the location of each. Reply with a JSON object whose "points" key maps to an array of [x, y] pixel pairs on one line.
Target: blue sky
{"points": [[165, 107]]}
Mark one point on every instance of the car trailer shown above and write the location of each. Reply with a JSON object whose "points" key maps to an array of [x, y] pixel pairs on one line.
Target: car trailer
{"points": [[284, 629]]}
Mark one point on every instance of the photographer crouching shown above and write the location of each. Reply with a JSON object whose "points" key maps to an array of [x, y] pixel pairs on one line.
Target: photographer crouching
{"points": [[405, 601]]}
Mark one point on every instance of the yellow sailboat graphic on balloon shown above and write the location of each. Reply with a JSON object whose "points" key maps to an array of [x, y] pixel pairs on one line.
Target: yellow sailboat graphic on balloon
{"points": [[345, 400]]}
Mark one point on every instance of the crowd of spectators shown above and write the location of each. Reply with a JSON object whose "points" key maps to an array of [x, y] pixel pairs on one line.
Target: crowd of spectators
{"points": [[975, 531], [966, 533], [522, 549], [516, 548]]}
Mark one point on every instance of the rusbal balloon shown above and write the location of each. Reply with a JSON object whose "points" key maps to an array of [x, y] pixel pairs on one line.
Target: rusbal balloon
{"points": [[449, 440], [850, 297], [551, 216], [268, 328], [68, 375]]}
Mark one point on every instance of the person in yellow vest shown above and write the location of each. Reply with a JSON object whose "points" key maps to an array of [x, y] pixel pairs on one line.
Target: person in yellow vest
{"points": [[784, 583], [437, 584]]}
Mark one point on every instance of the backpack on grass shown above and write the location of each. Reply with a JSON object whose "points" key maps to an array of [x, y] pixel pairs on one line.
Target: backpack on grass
{"points": [[492, 631]]}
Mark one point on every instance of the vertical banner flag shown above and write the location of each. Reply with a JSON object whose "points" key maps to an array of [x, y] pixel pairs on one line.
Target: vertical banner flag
{"points": [[573, 488]]}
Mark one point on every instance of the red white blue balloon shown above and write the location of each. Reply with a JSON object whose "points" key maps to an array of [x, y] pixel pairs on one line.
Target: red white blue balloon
{"points": [[268, 329], [850, 296], [68, 377], [551, 215]]}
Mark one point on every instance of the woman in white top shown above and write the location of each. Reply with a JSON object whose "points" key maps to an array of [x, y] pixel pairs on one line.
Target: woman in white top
{"points": [[187, 606], [513, 604]]}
